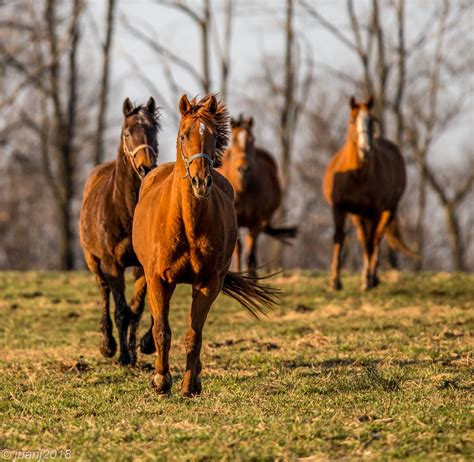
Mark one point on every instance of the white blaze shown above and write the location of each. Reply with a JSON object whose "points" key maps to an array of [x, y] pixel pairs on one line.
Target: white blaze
{"points": [[362, 127]]}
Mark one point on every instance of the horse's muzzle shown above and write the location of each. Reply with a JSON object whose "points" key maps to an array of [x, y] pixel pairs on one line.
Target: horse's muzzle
{"points": [[201, 187]]}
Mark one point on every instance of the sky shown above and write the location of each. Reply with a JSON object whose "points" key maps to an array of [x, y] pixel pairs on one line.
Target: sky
{"points": [[258, 31]]}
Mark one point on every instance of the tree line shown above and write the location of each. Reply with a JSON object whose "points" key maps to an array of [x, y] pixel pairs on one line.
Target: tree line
{"points": [[56, 67]]}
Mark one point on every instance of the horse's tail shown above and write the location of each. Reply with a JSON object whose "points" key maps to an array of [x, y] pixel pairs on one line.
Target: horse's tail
{"points": [[395, 240], [281, 233], [250, 292]]}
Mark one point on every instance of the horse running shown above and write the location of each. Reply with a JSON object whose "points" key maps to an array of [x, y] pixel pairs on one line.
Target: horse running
{"points": [[365, 179], [184, 231], [253, 174], [110, 196]]}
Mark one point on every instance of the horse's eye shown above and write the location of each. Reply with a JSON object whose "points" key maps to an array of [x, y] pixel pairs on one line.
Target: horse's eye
{"points": [[181, 137], [127, 133]]}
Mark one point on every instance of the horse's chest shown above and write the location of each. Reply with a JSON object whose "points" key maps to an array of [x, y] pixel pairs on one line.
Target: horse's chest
{"points": [[185, 261]]}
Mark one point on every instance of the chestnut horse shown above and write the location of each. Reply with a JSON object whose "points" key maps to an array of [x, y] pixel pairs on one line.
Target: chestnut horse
{"points": [[184, 231], [365, 179], [110, 196], [253, 174]]}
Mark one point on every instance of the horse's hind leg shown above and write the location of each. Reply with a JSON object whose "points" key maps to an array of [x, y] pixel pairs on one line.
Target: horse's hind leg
{"points": [[107, 346], [238, 254], [159, 296], [375, 257], [251, 241], [115, 278], [136, 309], [339, 234], [203, 297]]}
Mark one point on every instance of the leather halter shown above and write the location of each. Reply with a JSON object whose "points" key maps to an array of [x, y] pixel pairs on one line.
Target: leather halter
{"points": [[189, 161], [131, 155]]}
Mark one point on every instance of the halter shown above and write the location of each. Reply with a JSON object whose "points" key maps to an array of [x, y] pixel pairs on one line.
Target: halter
{"points": [[188, 162], [132, 154]]}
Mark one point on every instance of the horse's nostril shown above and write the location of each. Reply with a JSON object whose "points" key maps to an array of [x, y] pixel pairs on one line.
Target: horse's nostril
{"points": [[208, 181], [195, 182]]}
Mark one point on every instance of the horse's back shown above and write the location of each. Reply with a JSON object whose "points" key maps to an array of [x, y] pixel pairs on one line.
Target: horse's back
{"points": [[156, 176]]}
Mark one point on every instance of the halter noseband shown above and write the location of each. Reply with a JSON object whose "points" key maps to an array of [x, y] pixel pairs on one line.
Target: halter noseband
{"points": [[188, 162], [132, 154]]}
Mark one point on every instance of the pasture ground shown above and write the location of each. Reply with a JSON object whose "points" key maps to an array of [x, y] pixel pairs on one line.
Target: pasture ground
{"points": [[383, 375]]}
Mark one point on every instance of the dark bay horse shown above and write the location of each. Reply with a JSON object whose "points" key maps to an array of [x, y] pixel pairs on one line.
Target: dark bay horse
{"points": [[109, 201], [184, 231], [253, 173], [365, 179]]}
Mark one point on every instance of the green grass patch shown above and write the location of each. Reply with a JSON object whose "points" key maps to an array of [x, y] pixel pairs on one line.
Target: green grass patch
{"points": [[385, 375]]}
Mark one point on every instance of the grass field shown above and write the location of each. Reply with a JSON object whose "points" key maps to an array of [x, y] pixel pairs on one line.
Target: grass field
{"points": [[329, 376]]}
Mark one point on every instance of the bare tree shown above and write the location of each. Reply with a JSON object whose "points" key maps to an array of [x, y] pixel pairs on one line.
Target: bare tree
{"points": [[105, 82], [385, 60]]}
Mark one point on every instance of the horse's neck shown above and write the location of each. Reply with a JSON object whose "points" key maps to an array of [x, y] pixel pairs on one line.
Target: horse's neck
{"points": [[190, 208], [126, 185], [351, 156]]}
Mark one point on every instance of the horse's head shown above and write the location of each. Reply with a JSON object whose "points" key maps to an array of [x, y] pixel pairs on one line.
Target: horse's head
{"points": [[242, 150], [139, 135], [202, 137], [361, 126]]}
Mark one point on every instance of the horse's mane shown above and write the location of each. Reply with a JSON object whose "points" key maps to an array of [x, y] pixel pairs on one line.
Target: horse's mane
{"points": [[152, 118], [220, 122]]}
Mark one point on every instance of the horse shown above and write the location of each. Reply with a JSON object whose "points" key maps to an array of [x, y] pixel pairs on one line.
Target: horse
{"points": [[365, 179], [184, 231], [253, 173], [109, 200]]}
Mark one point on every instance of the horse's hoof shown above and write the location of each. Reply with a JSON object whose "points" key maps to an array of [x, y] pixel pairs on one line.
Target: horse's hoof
{"points": [[366, 286], [125, 359], [335, 284], [147, 344], [108, 347], [375, 281], [162, 383], [192, 390]]}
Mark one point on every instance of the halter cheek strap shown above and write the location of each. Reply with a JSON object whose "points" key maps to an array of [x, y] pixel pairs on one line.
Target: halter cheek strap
{"points": [[189, 161], [131, 154]]}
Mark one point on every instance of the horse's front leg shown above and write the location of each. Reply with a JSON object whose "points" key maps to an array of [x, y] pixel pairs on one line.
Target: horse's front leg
{"points": [[136, 307], [159, 296], [115, 278], [203, 297], [365, 233], [339, 235]]}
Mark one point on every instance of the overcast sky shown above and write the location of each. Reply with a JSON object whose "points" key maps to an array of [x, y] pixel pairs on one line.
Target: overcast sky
{"points": [[257, 31]]}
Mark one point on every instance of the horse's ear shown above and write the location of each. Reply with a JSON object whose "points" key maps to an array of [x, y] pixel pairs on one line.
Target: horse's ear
{"points": [[151, 105], [184, 105], [353, 103], [250, 122], [370, 103], [241, 118], [233, 122], [127, 107], [212, 104]]}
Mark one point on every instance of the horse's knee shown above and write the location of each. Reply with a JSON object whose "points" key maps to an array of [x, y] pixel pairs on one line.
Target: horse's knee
{"points": [[161, 334]]}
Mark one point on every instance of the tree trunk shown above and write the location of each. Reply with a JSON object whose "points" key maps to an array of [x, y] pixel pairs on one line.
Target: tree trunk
{"points": [[454, 234], [104, 86], [285, 128], [420, 235], [205, 25]]}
